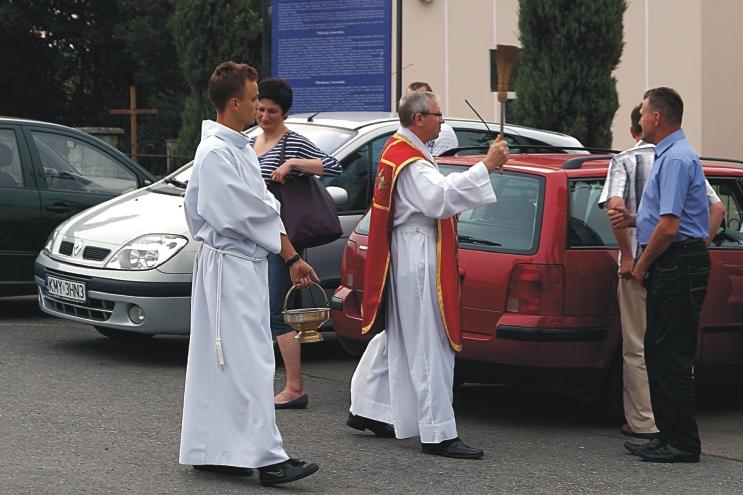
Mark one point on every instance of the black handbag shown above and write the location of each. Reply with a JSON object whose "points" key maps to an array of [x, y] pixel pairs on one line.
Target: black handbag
{"points": [[307, 210]]}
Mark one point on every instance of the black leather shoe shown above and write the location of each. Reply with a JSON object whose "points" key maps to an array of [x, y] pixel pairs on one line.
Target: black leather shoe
{"points": [[635, 448], [232, 470], [285, 472], [667, 453], [298, 403], [454, 448], [382, 430]]}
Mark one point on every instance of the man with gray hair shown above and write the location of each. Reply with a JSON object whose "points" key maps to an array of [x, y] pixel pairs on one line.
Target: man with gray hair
{"points": [[402, 386], [447, 138]]}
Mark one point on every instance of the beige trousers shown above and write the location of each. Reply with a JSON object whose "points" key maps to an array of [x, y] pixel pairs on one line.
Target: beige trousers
{"points": [[637, 409]]}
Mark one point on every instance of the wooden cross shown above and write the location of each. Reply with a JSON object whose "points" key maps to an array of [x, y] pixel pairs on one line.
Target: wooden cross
{"points": [[132, 112]]}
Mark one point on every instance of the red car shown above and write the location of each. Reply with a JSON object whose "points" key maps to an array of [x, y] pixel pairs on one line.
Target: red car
{"points": [[539, 274]]}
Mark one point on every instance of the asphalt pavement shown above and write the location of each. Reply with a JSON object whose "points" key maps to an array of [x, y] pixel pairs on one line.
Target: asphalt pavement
{"points": [[81, 413]]}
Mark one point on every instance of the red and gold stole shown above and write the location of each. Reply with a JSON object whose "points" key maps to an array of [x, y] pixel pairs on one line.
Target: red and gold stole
{"points": [[398, 152]]}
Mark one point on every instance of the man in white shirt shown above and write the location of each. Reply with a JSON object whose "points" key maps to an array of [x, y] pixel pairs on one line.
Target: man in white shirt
{"points": [[229, 424]]}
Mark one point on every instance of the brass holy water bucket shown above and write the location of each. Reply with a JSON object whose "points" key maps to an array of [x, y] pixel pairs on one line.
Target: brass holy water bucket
{"points": [[306, 321]]}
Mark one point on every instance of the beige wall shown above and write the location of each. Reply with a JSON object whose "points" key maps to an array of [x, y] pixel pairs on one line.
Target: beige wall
{"points": [[632, 72], [722, 78], [690, 46], [447, 44]]}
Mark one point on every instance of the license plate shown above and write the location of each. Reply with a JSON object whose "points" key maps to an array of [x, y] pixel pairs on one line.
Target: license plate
{"points": [[65, 289]]}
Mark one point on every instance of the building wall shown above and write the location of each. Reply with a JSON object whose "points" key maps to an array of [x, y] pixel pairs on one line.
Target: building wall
{"points": [[684, 44], [722, 78]]}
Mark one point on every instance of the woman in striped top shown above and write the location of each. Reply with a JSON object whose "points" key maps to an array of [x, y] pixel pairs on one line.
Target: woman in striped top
{"points": [[300, 156]]}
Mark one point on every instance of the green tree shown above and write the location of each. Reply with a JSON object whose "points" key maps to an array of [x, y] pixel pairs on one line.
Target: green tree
{"points": [[28, 84], [56, 58], [71, 61], [206, 33], [570, 49], [150, 62]]}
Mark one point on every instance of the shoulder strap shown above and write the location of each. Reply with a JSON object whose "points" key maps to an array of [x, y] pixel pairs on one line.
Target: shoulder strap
{"points": [[282, 156]]}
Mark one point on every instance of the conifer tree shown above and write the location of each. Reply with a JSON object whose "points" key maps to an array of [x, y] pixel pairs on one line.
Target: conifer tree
{"points": [[570, 49], [208, 32]]}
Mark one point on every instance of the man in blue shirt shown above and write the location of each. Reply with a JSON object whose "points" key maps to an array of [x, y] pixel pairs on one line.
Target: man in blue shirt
{"points": [[672, 224]]}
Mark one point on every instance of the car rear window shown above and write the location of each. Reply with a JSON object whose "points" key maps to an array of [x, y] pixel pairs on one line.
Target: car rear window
{"points": [[588, 225], [510, 225]]}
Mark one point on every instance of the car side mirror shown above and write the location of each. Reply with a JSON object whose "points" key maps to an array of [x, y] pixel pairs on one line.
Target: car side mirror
{"points": [[339, 195]]}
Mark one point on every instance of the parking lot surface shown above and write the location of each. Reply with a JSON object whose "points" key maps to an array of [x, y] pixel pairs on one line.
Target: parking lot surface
{"points": [[81, 413]]}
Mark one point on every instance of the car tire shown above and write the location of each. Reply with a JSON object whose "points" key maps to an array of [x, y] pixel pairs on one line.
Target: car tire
{"points": [[352, 346], [610, 401], [112, 333]]}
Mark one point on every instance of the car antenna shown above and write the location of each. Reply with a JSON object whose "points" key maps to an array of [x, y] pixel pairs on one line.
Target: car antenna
{"points": [[309, 119], [481, 119], [500, 170]]}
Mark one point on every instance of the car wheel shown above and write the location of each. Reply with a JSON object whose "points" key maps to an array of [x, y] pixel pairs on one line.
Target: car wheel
{"points": [[352, 346], [112, 333], [609, 401]]}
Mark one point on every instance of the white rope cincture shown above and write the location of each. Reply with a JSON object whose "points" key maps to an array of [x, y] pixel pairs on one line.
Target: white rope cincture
{"points": [[218, 342], [220, 264]]}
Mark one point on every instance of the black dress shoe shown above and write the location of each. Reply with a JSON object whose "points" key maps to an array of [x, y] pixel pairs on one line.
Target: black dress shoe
{"points": [[667, 453], [232, 470], [284, 472], [454, 448], [298, 403], [382, 430], [635, 448]]}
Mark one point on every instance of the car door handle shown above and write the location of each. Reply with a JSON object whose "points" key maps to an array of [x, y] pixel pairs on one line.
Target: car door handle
{"points": [[59, 208], [363, 248], [461, 275]]}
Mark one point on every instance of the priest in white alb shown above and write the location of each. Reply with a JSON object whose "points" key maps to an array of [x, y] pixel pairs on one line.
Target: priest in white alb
{"points": [[402, 386], [229, 424]]}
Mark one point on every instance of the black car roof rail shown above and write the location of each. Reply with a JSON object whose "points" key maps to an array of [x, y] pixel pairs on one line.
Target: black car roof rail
{"points": [[576, 163], [546, 148], [712, 159]]}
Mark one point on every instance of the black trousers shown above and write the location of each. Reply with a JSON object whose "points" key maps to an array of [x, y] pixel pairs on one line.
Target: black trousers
{"points": [[676, 286]]}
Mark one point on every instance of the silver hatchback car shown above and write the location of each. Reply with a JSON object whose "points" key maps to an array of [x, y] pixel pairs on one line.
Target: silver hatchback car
{"points": [[124, 266]]}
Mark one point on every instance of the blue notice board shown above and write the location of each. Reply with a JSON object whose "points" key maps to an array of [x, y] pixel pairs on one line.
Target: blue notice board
{"points": [[334, 53]]}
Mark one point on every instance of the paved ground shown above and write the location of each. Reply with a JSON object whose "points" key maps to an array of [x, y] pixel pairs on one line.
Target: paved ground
{"points": [[80, 413]]}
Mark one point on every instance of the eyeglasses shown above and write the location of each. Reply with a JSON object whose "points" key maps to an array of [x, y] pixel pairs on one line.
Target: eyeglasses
{"points": [[437, 114]]}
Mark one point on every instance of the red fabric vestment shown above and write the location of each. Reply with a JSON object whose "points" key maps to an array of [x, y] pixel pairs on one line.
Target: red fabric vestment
{"points": [[398, 152]]}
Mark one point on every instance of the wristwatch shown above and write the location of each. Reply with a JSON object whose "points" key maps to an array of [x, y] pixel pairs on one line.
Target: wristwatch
{"points": [[292, 260]]}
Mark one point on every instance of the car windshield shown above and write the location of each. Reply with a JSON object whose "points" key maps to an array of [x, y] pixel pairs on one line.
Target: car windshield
{"points": [[328, 139], [509, 225]]}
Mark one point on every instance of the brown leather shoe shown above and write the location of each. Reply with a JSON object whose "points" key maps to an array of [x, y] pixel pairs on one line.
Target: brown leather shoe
{"points": [[626, 430]]}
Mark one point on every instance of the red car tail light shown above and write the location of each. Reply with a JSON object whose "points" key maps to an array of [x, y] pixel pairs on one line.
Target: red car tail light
{"points": [[347, 264], [536, 290]]}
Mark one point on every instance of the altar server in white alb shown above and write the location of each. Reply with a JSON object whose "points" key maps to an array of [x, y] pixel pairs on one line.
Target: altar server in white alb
{"points": [[403, 384], [229, 424]]}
